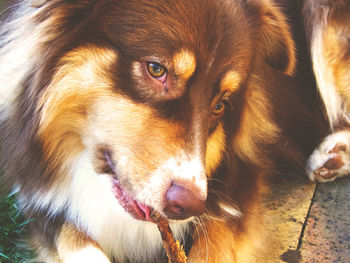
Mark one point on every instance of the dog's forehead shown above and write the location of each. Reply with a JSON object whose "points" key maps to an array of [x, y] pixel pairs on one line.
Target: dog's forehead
{"points": [[165, 28]]}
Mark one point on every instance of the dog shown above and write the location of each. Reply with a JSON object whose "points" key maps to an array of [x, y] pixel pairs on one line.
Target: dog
{"points": [[328, 32], [112, 109]]}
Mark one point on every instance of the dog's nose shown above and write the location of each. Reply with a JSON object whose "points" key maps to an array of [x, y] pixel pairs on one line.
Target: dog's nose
{"points": [[182, 203]]}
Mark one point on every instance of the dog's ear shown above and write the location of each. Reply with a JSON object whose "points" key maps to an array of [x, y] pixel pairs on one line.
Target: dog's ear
{"points": [[278, 48]]}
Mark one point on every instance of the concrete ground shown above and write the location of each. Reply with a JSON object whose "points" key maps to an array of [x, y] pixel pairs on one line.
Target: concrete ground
{"points": [[309, 222]]}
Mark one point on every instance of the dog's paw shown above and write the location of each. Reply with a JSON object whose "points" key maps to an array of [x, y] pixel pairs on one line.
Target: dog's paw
{"points": [[331, 159]]}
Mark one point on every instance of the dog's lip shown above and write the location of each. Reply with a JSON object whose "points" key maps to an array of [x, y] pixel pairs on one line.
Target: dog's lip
{"points": [[137, 209]]}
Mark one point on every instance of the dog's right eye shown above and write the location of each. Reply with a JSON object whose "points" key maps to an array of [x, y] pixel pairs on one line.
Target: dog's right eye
{"points": [[219, 108], [156, 70]]}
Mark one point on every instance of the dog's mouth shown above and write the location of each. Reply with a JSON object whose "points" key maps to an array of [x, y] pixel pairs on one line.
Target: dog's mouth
{"points": [[138, 210]]}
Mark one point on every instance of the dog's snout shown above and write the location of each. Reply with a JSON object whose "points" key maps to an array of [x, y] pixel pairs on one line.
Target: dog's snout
{"points": [[182, 203]]}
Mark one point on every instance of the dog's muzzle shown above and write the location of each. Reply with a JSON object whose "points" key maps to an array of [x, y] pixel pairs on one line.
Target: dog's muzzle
{"points": [[181, 203]]}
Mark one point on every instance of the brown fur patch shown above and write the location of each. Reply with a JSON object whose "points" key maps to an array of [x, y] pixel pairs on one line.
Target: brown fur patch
{"points": [[277, 43]]}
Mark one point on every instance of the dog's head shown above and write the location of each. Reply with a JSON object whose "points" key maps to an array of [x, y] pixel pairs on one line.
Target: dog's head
{"points": [[148, 89]]}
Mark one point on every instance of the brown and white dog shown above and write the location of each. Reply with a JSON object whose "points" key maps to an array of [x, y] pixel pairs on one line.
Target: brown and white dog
{"points": [[111, 108], [327, 25]]}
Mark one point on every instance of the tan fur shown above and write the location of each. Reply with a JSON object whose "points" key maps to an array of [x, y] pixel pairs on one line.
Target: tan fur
{"points": [[335, 52], [256, 110], [184, 63], [230, 82], [145, 124], [218, 243], [74, 246], [81, 75], [215, 149]]}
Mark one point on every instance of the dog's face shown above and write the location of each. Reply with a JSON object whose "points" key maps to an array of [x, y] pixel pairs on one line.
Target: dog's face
{"points": [[148, 96]]}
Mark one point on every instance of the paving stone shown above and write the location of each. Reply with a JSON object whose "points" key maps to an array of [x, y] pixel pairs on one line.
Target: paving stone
{"points": [[327, 233], [287, 207]]}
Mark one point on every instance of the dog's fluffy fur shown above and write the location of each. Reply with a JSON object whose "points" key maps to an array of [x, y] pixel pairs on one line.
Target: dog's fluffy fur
{"points": [[79, 111], [328, 31]]}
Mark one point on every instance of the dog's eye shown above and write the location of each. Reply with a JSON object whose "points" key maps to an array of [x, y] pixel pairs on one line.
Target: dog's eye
{"points": [[219, 108], [156, 70]]}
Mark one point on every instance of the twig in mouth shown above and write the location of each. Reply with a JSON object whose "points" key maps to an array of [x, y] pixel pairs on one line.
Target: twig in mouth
{"points": [[174, 250]]}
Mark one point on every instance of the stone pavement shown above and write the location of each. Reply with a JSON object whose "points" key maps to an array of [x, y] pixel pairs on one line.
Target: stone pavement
{"points": [[308, 222]]}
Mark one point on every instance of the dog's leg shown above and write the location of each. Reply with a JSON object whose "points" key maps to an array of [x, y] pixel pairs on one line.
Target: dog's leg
{"points": [[74, 246], [331, 159], [327, 26]]}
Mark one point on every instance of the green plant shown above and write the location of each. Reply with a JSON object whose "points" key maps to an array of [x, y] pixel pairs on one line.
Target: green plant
{"points": [[12, 226]]}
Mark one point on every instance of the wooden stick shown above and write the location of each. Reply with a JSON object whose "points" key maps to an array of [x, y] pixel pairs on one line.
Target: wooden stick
{"points": [[174, 250]]}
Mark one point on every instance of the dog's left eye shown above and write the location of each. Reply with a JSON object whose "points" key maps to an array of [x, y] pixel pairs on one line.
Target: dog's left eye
{"points": [[156, 70], [219, 108]]}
